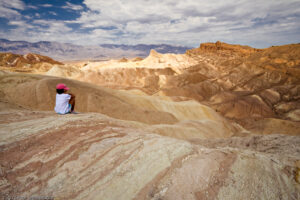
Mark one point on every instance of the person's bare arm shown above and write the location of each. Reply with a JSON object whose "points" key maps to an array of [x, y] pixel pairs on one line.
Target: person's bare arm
{"points": [[72, 95]]}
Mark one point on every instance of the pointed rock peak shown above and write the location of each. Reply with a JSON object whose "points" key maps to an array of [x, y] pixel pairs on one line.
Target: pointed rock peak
{"points": [[123, 59], [154, 53]]}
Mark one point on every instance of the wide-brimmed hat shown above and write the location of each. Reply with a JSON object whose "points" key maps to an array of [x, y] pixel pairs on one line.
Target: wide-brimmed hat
{"points": [[61, 86]]}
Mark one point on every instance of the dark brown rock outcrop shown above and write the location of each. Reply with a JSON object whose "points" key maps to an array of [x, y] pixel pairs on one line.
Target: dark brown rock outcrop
{"points": [[26, 63]]}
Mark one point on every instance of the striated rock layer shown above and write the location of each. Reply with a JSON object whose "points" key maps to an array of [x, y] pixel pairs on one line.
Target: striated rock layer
{"points": [[38, 93], [125, 153], [27, 63], [92, 156], [156, 141], [243, 84], [257, 88]]}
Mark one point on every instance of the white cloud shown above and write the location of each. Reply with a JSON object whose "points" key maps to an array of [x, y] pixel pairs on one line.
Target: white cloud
{"points": [[8, 13], [53, 13], [18, 23], [189, 21], [107, 34], [46, 5], [21, 25], [8, 9], [53, 26], [72, 6], [32, 7], [257, 23], [16, 4], [46, 30]]}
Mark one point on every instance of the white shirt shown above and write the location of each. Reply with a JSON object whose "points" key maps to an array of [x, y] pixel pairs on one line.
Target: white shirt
{"points": [[62, 103]]}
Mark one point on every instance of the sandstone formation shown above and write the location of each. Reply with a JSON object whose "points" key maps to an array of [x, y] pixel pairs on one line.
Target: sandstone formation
{"points": [[224, 49], [93, 156], [219, 122], [263, 84], [26, 63], [241, 83], [38, 93]]}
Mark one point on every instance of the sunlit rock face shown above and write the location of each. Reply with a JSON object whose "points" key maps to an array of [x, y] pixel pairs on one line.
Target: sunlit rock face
{"points": [[28, 63], [172, 130], [241, 83], [93, 156], [38, 93], [250, 82]]}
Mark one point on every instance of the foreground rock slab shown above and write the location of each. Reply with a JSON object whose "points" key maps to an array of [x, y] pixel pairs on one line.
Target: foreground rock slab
{"points": [[92, 156]]}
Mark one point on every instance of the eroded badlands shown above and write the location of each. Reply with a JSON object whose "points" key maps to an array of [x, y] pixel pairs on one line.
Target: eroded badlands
{"points": [[219, 122]]}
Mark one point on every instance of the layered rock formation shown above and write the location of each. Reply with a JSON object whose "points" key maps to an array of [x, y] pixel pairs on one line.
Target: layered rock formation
{"points": [[173, 131], [38, 92], [92, 156], [224, 49], [28, 63], [242, 83], [263, 84]]}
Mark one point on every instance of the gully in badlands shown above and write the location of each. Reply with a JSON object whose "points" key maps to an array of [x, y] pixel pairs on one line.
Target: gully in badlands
{"points": [[221, 122]]}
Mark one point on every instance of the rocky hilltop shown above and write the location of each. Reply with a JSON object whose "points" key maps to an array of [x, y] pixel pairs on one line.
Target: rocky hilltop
{"points": [[218, 122], [224, 49], [26, 63], [262, 84]]}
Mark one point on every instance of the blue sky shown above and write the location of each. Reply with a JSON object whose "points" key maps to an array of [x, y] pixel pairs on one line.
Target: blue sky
{"points": [[190, 22]]}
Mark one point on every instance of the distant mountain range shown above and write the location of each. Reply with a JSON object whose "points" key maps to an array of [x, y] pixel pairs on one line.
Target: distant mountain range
{"points": [[67, 51]]}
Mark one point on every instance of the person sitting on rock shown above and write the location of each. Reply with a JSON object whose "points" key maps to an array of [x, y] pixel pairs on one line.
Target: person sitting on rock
{"points": [[65, 102]]}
